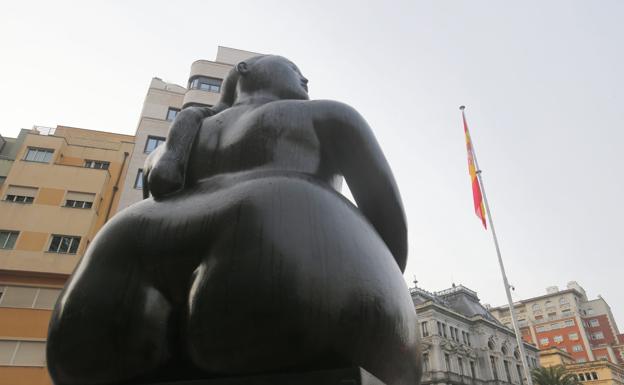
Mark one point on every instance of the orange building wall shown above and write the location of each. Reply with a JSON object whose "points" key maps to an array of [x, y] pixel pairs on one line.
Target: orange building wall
{"points": [[24, 323], [24, 375], [604, 327], [567, 343]]}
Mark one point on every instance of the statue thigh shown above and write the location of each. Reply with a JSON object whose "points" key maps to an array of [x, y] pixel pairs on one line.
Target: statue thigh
{"points": [[110, 324]]}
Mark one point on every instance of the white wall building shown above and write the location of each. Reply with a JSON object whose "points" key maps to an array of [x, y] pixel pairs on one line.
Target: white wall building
{"points": [[463, 344]]}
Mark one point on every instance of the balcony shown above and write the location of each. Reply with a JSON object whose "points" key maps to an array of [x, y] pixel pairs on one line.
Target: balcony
{"points": [[456, 379]]}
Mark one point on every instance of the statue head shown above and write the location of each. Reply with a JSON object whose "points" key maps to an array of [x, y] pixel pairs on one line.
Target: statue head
{"points": [[263, 74]]}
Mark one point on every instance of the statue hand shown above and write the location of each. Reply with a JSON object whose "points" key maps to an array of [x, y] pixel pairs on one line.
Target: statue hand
{"points": [[165, 168]]}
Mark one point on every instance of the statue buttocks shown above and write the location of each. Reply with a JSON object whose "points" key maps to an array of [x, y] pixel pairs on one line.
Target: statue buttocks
{"points": [[245, 259]]}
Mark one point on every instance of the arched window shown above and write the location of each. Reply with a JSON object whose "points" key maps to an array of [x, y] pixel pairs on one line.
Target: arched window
{"points": [[535, 306], [491, 344], [504, 350]]}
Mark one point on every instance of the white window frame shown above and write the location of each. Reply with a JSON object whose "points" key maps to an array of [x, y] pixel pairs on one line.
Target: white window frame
{"points": [[72, 239], [4, 244], [47, 154]]}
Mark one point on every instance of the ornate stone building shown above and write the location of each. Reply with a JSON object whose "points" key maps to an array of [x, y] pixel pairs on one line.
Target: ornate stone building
{"points": [[463, 344]]}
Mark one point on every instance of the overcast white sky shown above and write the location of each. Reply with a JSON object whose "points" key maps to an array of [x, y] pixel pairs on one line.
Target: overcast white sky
{"points": [[543, 82]]}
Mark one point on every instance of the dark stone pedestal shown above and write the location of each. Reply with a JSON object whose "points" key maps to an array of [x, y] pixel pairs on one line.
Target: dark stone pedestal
{"points": [[348, 376]]}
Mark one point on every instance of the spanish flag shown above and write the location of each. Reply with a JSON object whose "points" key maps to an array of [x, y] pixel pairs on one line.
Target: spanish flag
{"points": [[472, 169]]}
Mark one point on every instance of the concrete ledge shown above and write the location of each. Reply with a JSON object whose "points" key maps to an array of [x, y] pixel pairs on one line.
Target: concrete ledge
{"points": [[348, 376]]}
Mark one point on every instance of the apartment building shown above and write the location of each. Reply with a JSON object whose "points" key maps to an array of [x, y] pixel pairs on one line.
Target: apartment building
{"points": [[568, 320], [463, 344], [62, 186], [162, 103]]}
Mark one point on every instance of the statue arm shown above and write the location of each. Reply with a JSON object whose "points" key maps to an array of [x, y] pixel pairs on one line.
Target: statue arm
{"points": [[349, 143], [165, 168]]}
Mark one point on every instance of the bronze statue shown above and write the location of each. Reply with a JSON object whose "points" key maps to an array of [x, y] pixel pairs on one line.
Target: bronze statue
{"points": [[247, 259]]}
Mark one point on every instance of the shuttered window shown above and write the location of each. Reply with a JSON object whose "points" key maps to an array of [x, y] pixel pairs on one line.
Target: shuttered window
{"points": [[20, 194], [79, 200]]}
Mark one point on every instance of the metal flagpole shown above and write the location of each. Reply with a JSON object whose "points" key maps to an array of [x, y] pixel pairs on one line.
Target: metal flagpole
{"points": [[514, 321]]}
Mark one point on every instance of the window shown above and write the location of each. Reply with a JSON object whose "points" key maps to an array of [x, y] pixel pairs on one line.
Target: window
{"points": [[79, 200], [589, 311], [7, 239], [205, 83], [464, 339], [424, 330], [138, 182], [504, 350], [78, 204], [594, 375], [581, 377], [568, 323], [597, 336], [64, 244], [555, 326], [544, 341], [472, 369], [97, 164], [519, 370], [20, 194], [535, 306], [42, 155], [563, 301], [605, 358], [507, 373], [577, 348], [558, 339], [581, 360], [542, 328], [573, 336], [22, 353], [28, 297], [447, 361], [494, 371], [152, 143], [444, 330], [426, 367], [460, 364], [468, 338], [594, 322], [172, 113]]}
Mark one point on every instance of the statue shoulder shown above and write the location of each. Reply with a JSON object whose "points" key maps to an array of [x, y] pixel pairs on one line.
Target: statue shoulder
{"points": [[331, 111]]}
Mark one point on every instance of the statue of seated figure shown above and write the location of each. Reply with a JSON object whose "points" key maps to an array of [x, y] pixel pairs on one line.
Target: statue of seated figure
{"points": [[246, 259]]}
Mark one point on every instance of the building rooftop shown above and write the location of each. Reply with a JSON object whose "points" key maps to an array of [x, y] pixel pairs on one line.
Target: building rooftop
{"points": [[458, 298]]}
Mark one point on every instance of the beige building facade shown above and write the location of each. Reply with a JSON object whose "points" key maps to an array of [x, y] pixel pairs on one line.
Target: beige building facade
{"points": [[61, 188], [600, 372], [164, 100]]}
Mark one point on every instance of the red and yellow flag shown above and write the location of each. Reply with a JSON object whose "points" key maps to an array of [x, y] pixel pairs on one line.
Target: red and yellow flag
{"points": [[472, 169]]}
